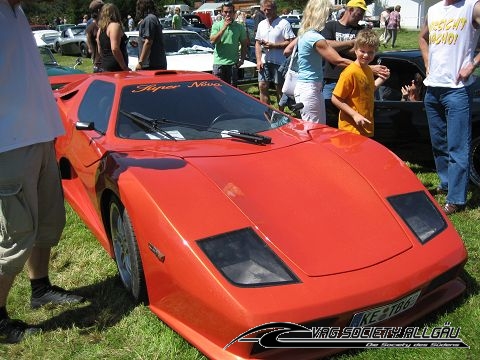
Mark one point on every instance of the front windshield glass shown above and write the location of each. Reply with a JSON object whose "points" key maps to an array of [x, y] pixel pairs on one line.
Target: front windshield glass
{"points": [[47, 56], [185, 43], [176, 44], [191, 111]]}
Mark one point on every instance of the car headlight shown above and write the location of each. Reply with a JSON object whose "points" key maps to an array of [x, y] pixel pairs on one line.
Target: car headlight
{"points": [[245, 260], [420, 214]]}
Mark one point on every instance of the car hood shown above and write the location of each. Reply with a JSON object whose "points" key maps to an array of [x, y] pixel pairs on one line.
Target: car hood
{"points": [[56, 70], [318, 203]]}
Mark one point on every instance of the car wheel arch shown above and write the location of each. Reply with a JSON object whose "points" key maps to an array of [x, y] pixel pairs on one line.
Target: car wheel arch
{"points": [[475, 160], [83, 49]]}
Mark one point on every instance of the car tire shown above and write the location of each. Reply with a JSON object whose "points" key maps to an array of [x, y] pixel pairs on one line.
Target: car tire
{"points": [[475, 162], [58, 48], [127, 255], [83, 50]]}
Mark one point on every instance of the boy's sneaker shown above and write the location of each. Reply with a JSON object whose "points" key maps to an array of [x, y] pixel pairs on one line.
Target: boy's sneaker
{"points": [[13, 331], [55, 296]]}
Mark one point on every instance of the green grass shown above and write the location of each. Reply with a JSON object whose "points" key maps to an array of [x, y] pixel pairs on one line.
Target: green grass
{"points": [[110, 326]]}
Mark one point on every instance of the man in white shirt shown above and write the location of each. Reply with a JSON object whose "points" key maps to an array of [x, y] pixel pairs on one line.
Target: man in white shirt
{"points": [[273, 35], [449, 56], [32, 213]]}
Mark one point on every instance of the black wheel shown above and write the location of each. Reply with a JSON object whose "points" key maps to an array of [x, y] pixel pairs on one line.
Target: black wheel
{"points": [[127, 255], [475, 165], [83, 50], [58, 48]]}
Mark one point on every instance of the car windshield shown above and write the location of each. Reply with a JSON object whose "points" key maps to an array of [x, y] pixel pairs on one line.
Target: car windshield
{"points": [[47, 56], [185, 43], [76, 31], [176, 44], [210, 110]]}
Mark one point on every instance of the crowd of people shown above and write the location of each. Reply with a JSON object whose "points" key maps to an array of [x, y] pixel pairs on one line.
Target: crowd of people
{"points": [[107, 41]]}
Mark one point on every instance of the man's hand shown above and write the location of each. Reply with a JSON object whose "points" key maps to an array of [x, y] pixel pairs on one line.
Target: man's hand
{"points": [[227, 21], [465, 72], [380, 71]]}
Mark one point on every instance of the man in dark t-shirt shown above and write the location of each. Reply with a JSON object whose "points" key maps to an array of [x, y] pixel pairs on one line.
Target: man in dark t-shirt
{"points": [[150, 38], [91, 33], [340, 34]]}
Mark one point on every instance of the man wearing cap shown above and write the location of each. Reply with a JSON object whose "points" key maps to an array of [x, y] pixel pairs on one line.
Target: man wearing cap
{"points": [[91, 32], [341, 34]]}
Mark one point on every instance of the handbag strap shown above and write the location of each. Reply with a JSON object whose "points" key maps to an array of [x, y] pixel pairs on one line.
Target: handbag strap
{"points": [[292, 57]]}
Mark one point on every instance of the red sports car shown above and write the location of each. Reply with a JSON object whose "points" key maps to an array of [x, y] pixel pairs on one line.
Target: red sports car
{"points": [[224, 214]]}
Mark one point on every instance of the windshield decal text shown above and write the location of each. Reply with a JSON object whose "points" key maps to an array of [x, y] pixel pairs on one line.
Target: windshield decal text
{"points": [[154, 88]]}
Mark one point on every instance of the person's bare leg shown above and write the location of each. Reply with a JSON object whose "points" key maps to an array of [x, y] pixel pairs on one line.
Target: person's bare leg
{"points": [[263, 89], [6, 282], [278, 89], [38, 263]]}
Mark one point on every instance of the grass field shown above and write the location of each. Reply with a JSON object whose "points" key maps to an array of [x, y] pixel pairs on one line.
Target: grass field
{"points": [[110, 326]]}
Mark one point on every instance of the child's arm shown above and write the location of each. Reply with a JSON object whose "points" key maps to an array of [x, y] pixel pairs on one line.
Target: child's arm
{"points": [[343, 106]]}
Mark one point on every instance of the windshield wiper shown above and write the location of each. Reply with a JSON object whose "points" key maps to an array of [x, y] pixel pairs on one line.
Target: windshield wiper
{"points": [[147, 123], [243, 135]]}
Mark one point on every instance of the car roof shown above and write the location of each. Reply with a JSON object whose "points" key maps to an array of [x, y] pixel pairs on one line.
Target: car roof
{"points": [[403, 54]]}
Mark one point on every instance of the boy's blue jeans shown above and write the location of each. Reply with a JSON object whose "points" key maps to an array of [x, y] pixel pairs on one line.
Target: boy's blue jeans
{"points": [[450, 122]]}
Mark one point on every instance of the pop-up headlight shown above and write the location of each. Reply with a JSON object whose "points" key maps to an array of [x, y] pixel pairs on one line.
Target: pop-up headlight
{"points": [[246, 260], [420, 214]]}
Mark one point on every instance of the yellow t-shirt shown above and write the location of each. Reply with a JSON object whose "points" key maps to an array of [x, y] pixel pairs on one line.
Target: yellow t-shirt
{"points": [[357, 87]]}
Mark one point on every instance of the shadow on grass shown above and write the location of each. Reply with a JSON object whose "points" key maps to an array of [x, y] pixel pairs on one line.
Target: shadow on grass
{"points": [[107, 303]]}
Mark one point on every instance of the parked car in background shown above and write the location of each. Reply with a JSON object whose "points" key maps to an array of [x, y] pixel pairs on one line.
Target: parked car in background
{"points": [[294, 20], [223, 214], [194, 20], [54, 69], [202, 31], [36, 27], [47, 36], [62, 27], [72, 41], [402, 125], [186, 50]]}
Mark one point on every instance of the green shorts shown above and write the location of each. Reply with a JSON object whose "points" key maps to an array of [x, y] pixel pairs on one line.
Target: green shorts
{"points": [[32, 211]]}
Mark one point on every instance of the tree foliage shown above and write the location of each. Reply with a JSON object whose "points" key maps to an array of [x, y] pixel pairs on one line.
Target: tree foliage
{"points": [[73, 10]]}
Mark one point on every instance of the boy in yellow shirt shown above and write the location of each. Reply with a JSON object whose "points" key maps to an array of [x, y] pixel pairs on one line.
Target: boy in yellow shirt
{"points": [[355, 90]]}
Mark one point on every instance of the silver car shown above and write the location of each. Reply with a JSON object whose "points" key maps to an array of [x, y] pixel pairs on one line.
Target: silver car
{"points": [[72, 41], [48, 37]]}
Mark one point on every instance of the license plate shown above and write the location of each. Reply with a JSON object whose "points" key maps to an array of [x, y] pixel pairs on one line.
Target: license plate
{"points": [[373, 316]]}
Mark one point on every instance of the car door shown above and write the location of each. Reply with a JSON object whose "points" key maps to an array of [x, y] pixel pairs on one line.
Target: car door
{"points": [[87, 146], [399, 122]]}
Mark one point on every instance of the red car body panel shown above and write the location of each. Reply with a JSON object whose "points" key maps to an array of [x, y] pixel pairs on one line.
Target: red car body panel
{"points": [[316, 196]]}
